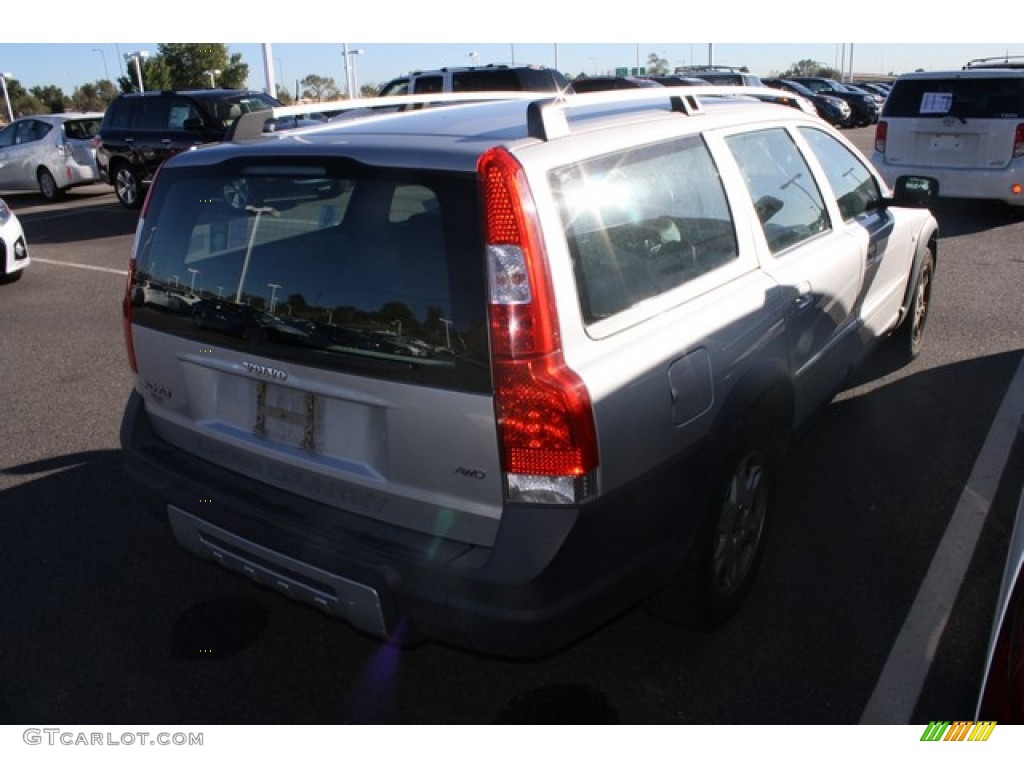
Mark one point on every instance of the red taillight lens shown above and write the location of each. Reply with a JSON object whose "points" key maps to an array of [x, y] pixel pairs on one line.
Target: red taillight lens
{"points": [[1018, 141], [881, 133], [127, 317], [543, 409], [544, 413]]}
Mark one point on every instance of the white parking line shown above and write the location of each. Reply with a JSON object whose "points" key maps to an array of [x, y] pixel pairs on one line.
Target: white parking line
{"points": [[911, 657], [123, 272]]}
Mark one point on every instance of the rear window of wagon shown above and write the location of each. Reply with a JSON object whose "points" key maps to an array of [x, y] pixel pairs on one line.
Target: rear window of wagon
{"points": [[322, 262]]}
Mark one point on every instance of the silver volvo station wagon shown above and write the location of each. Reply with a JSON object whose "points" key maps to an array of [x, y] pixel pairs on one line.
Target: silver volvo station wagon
{"points": [[491, 372]]}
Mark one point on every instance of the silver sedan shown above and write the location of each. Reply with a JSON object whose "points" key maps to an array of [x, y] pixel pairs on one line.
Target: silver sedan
{"points": [[51, 153]]}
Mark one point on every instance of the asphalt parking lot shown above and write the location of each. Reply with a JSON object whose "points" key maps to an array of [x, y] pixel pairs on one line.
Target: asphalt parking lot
{"points": [[107, 621]]}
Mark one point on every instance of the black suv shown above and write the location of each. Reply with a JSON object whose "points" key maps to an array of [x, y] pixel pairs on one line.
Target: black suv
{"points": [[141, 130], [492, 77]]}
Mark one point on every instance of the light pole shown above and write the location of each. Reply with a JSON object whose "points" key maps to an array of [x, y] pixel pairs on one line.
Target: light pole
{"points": [[192, 286], [351, 82], [106, 72], [212, 74], [137, 57], [4, 77], [474, 58], [274, 287]]}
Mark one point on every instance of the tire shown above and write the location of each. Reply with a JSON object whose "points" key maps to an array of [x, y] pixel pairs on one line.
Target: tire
{"points": [[910, 335], [128, 187], [729, 543], [734, 538], [48, 185]]}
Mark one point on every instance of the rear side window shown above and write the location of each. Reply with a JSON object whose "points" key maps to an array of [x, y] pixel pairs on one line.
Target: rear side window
{"points": [[81, 129], [327, 264], [486, 80], [429, 84], [968, 97], [119, 113], [643, 222]]}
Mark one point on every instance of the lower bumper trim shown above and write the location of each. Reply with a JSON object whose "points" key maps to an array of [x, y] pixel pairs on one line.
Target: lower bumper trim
{"points": [[356, 603]]}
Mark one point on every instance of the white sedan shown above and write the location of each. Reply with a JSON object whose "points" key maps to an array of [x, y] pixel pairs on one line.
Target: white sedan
{"points": [[13, 248]]}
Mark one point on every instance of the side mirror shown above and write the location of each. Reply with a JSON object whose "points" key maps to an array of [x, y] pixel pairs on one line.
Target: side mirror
{"points": [[915, 191], [193, 124]]}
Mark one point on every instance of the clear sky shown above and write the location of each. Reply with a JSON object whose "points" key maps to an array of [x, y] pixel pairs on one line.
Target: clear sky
{"points": [[402, 35]]}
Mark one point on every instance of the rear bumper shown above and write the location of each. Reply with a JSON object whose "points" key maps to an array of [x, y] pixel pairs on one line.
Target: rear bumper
{"points": [[553, 574], [970, 183], [77, 175]]}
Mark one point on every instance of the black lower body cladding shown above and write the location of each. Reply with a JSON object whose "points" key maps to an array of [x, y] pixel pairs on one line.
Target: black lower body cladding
{"points": [[553, 575]]}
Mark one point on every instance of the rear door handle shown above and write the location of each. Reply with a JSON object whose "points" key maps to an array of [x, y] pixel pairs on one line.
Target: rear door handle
{"points": [[804, 297]]}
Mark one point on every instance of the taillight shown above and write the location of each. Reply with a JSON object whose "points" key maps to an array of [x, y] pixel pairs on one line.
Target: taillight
{"points": [[126, 308], [545, 422], [1018, 141], [130, 288], [881, 133]]}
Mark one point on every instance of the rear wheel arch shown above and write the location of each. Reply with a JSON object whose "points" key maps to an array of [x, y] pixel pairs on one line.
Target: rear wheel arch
{"points": [[764, 395], [47, 182], [736, 503]]}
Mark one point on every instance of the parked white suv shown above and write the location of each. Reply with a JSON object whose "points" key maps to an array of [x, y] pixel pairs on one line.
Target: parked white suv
{"points": [[492, 373], [491, 77], [964, 127]]}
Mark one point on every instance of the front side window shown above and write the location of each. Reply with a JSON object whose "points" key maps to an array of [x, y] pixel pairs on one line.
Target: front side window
{"points": [[178, 112], [642, 222], [327, 263], [785, 195], [852, 183]]}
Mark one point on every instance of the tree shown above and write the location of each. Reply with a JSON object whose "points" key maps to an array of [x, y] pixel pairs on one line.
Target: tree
{"points": [[51, 96], [22, 102], [657, 65], [188, 64], [284, 95], [318, 88], [179, 66], [809, 68], [93, 97], [155, 75]]}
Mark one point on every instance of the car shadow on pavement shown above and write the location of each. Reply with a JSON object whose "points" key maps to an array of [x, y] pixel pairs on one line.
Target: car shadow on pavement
{"points": [[95, 221], [964, 217]]}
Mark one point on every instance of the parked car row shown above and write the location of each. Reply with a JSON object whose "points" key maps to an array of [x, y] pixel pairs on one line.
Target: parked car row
{"points": [[962, 127]]}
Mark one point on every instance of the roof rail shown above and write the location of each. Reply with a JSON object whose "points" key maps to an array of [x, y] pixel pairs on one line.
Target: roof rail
{"points": [[548, 118], [251, 124], [546, 113], [1015, 61], [709, 68]]}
